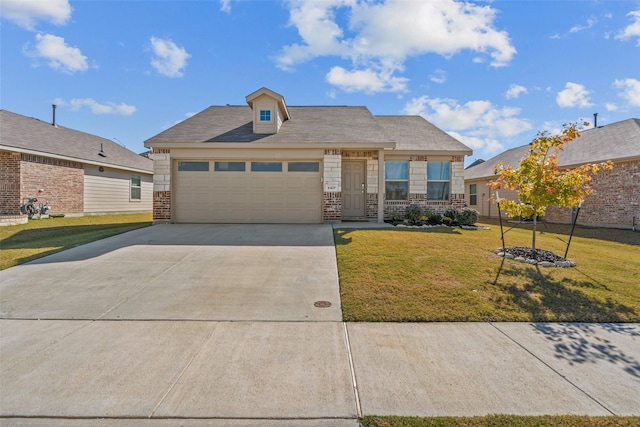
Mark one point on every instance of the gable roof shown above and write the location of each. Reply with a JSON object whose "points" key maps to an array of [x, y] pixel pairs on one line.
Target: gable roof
{"points": [[312, 127], [28, 135], [618, 141], [264, 91], [414, 133]]}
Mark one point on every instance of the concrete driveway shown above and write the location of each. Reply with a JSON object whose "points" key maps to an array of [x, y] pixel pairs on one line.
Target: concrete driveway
{"points": [[215, 325], [186, 272]]}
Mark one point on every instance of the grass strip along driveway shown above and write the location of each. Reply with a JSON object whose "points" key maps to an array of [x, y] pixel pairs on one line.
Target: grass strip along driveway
{"points": [[501, 421], [38, 238], [450, 274]]}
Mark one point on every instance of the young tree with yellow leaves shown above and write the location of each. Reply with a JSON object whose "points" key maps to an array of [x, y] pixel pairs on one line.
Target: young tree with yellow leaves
{"points": [[539, 181]]}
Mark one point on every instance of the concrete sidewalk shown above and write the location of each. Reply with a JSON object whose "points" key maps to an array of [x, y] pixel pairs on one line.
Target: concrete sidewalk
{"points": [[217, 325], [311, 373]]}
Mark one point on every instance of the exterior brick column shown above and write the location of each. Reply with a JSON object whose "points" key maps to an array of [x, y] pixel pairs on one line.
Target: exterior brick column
{"points": [[332, 176], [161, 185], [9, 183]]}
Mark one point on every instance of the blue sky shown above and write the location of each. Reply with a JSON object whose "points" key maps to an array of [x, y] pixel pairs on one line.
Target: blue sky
{"points": [[491, 73]]}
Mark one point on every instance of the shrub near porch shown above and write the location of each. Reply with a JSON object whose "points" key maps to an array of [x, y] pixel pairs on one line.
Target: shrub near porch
{"points": [[450, 274]]}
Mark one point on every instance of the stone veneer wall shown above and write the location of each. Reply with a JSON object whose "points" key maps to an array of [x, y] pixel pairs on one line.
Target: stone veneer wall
{"points": [[161, 184], [418, 188], [332, 206], [614, 202], [332, 177]]}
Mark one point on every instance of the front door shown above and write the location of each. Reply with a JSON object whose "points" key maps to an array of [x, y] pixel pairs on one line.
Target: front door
{"points": [[353, 188]]}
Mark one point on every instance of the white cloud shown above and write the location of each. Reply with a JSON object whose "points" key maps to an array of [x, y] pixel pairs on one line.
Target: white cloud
{"points": [[369, 80], [515, 91], [26, 13], [479, 124], [76, 104], [574, 95], [439, 76], [169, 59], [225, 6], [377, 37], [60, 56], [630, 90], [633, 30], [611, 106], [577, 28]]}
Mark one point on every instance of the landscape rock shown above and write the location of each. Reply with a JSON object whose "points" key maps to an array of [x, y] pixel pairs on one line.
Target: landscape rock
{"points": [[539, 257]]}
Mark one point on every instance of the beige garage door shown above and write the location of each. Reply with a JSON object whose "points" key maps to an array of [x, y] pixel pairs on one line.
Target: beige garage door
{"points": [[247, 191]]}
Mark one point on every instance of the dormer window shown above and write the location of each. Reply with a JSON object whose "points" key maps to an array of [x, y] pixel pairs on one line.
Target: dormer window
{"points": [[265, 115]]}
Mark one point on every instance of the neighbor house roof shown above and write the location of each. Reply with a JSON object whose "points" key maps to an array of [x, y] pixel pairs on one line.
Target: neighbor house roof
{"points": [[28, 135], [617, 142], [311, 127]]}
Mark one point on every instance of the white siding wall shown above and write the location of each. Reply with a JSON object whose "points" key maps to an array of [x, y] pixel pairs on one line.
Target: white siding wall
{"points": [[109, 191]]}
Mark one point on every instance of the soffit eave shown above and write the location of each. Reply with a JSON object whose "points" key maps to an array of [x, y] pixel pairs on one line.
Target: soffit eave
{"points": [[273, 145], [74, 159]]}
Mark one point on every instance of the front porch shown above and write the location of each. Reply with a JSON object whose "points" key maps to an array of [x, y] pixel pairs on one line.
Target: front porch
{"points": [[353, 181]]}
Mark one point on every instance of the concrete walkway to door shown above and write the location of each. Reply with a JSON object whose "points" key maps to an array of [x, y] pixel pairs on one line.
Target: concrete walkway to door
{"points": [[214, 325]]}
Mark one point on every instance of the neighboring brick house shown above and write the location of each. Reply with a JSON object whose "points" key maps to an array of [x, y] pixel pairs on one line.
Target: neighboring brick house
{"points": [[616, 198], [271, 163], [76, 172]]}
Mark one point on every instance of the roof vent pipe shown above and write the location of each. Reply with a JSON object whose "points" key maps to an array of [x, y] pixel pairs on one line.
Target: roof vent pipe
{"points": [[53, 122], [595, 120]]}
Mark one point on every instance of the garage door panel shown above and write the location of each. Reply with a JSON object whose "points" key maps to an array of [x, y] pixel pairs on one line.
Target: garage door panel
{"points": [[247, 197]]}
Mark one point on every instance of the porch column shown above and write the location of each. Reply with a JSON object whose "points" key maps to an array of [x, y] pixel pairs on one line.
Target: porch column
{"points": [[381, 186]]}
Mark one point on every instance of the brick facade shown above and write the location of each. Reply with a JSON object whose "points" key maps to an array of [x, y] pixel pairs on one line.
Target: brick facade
{"points": [[614, 202], [9, 183], [162, 206], [161, 184], [22, 176], [332, 206], [332, 185], [61, 182]]}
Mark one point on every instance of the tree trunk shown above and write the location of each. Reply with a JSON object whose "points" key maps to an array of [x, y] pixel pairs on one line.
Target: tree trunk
{"points": [[533, 239]]}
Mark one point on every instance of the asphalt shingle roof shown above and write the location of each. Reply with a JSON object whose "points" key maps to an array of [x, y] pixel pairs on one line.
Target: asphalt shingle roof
{"points": [[415, 133], [328, 124], [616, 141], [21, 132], [307, 125]]}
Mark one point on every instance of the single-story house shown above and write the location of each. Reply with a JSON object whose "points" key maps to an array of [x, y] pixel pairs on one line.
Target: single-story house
{"points": [[616, 198], [78, 173], [266, 162]]}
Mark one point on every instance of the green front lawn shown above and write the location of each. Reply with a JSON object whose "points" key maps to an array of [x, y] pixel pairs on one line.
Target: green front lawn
{"points": [[502, 420], [38, 238], [443, 274]]}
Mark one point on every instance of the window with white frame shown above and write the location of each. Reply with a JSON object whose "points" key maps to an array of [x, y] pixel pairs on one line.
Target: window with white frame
{"points": [[136, 187], [396, 177], [438, 177], [473, 194], [265, 115]]}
